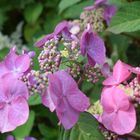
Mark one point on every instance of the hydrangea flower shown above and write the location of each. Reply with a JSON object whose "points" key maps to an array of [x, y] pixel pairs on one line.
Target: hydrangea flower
{"points": [[109, 10], [64, 96], [61, 28], [119, 114], [93, 46], [121, 72], [14, 108], [14, 64]]}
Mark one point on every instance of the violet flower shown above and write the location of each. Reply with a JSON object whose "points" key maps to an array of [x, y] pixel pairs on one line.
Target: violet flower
{"points": [[64, 96], [14, 64], [61, 28], [119, 114], [14, 108], [93, 46], [109, 10], [10, 137]]}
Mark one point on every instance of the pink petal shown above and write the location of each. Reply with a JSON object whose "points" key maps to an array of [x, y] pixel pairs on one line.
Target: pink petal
{"points": [[48, 102], [69, 117], [78, 101], [110, 81], [5, 126], [22, 63], [10, 60], [14, 88], [107, 100], [135, 70], [125, 122], [3, 69], [18, 112], [121, 71], [120, 98], [108, 119], [116, 97]]}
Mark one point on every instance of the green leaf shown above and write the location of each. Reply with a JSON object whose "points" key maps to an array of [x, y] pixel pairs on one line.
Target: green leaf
{"points": [[127, 19], [86, 129], [32, 12], [30, 31], [24, 130], [66, 3], [75, 10], [47, 132], [34, 100], [120, 44]]}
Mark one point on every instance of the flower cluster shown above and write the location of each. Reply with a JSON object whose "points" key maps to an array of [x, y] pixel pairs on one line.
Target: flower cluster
{"points": [[118, 99], [70, 54], [14, 93]]}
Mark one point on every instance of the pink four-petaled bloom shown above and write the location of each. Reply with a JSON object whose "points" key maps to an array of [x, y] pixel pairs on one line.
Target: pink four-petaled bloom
{"points": [[14, 108], [93, 46], [119, 114], [64, 96], [121, 72], [14, 64]]}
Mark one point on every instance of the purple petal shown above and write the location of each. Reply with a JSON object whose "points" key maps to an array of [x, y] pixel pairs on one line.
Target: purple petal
{"points": [[55, 85], [30, 138], [78, 101], [96, 48], [69, 117], [10, 137], [22, 63], [67, 82], [84, 42], [42, 41], [100, 2], [91, 61], [60, 27], [109, 12], [48, 101], [106, 70]]}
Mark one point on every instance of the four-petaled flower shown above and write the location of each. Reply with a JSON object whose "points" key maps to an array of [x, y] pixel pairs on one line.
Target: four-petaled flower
{"points": [[14, 108], [121, 72], [64, 96], [15, 65], [119, 113]]}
